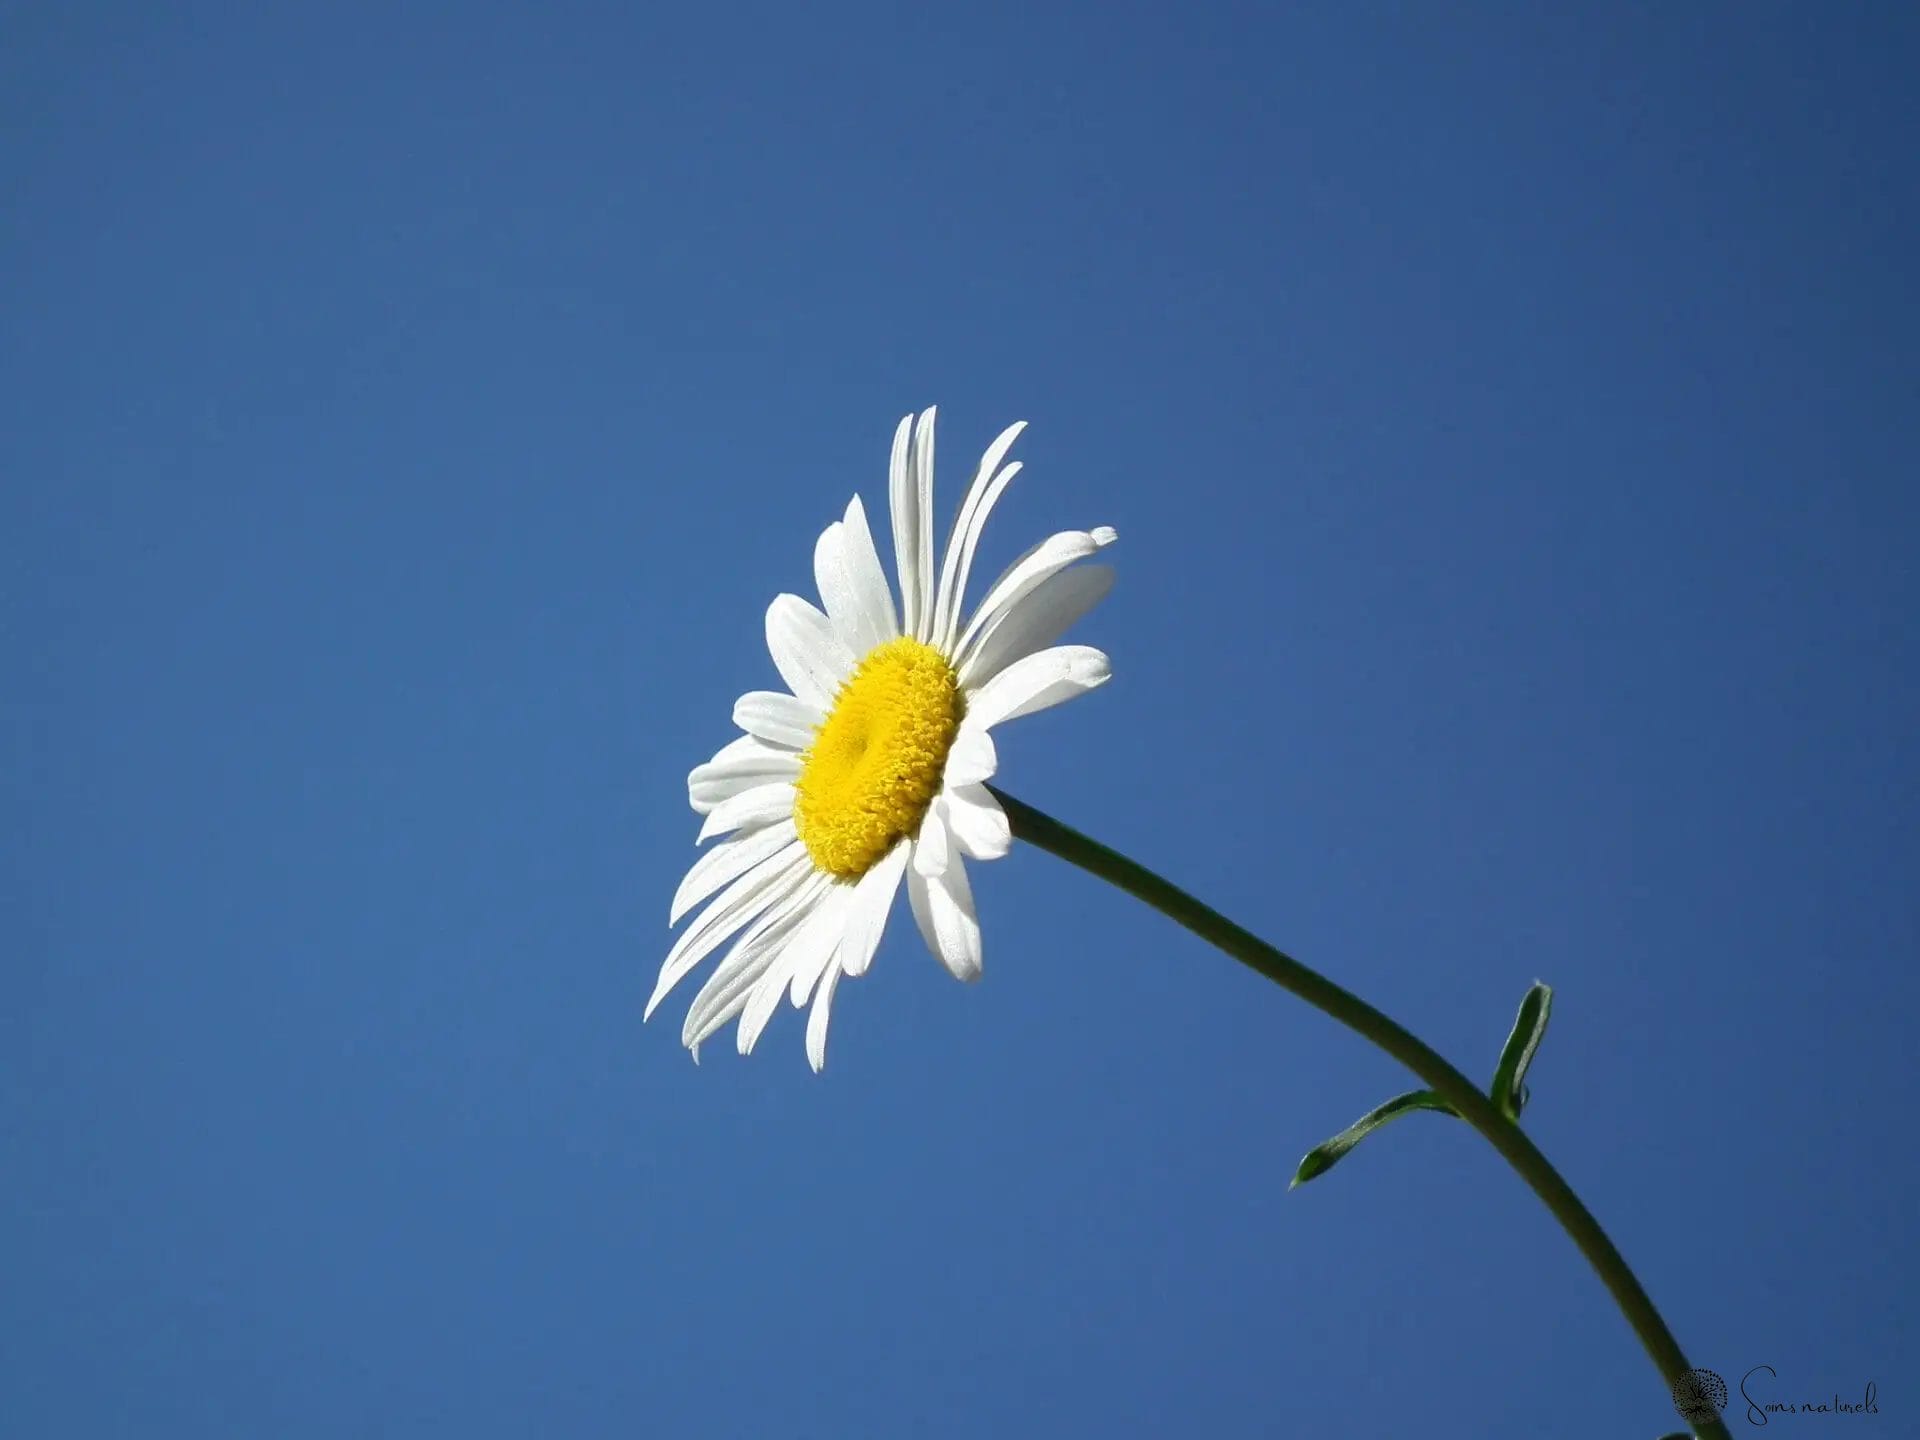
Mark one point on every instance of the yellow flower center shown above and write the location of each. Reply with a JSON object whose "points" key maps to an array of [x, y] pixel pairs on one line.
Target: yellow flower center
{"points": [[875, 765]]}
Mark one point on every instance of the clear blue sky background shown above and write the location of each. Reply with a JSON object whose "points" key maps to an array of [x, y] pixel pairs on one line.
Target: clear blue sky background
{"points": [[406, 415]]}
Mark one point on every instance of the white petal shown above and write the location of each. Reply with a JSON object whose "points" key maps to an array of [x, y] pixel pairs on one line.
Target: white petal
{"points": [[761, 805], [725, 993], [1037, 682], [912, 523], [923, 482], [763, 997], [717, 1018], [977, 822], [829, 578], [931, 851], [1033, 623], [869, 579], [767, 883], [754, 949], [725, 863], [817, 1020], [742, 745], [745, 763], [973, 757], [812, 944], [948, 631], [944, 907], [864, 916], [717, 1021], [800, 982], [1030, 571], [988, 483], [810, 657], [853, 587], [777, 718], [872, 904]]}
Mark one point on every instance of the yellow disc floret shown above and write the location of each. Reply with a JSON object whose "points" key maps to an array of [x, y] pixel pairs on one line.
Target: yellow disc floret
{"points": [[875, 765]]}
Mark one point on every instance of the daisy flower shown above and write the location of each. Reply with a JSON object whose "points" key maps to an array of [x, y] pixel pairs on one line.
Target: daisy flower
{"points": [[869, 770]]}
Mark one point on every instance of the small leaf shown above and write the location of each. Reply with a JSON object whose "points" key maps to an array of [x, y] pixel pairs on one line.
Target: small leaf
{"points": [[1529, 1027], [1324, 1157]]}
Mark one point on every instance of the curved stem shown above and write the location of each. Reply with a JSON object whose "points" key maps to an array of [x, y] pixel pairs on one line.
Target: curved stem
{"points": [[1038, 828]]}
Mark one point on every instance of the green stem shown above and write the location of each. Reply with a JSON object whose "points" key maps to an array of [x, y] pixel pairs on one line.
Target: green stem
{"points": [[1350, 1010]]}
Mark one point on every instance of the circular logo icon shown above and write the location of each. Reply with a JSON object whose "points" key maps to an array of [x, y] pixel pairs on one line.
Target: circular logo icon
{"points": [[1699, 1395]]}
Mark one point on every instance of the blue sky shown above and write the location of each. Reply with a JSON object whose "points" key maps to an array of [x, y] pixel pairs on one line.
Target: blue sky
{"points": [[406, 415]]}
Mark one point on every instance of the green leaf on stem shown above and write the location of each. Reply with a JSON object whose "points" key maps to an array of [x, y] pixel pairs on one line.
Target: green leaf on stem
{"points": [[1529, 1027], [1324, 1157]]}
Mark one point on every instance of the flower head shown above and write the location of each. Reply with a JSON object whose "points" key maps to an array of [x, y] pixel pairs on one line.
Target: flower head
{"points": [[870, 769]]}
